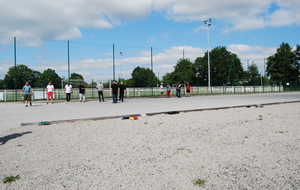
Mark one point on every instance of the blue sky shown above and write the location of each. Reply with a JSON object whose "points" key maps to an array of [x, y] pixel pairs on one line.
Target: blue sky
{"points": [[251, 29]]}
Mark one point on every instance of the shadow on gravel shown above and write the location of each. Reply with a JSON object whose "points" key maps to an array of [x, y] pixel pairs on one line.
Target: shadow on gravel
{"points": [[4, 139]]}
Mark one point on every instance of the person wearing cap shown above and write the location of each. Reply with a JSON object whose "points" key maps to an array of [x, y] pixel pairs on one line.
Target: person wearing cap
{"points": [[161, 90]]}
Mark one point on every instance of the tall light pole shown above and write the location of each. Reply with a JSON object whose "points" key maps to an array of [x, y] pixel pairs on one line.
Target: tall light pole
{"points": [[121, 53], [207, 22]]}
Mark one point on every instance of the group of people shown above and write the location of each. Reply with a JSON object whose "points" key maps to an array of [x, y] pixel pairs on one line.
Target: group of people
{"points": [[178, 90], [68, 90], [117, 92]]}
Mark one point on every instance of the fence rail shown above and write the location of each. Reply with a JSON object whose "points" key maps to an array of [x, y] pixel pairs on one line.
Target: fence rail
{"points": [[92, 93]]}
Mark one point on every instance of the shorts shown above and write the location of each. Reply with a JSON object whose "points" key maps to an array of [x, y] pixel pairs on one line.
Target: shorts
{"points": [[188, 91], [27, 97], [161, 92], [50, 95]]}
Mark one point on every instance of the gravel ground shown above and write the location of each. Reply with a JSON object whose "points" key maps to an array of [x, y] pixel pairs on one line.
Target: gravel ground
{"points": [[240, 148]]}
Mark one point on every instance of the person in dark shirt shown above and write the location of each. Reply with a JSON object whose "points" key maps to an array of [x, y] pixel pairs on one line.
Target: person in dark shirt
{"points": [[178, 90], [114, 89], [122, 89], [81, 92]]}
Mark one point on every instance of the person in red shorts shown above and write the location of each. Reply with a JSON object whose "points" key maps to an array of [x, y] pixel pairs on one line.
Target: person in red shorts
{"points": [[50, 92], [188, 89], [168, 90]]}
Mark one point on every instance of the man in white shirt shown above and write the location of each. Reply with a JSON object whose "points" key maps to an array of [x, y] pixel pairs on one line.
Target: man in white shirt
{"points": [[50, 92], [161, 90], [100, 89], [68, 90]]}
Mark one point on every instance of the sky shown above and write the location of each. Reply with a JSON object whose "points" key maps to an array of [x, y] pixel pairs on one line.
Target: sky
{"points": [[146, 33]]}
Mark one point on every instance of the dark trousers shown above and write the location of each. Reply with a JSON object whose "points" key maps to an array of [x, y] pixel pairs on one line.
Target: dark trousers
{"points": [[178, 93], [100, 93], [68, 97], [115, 98], [121, 96]]}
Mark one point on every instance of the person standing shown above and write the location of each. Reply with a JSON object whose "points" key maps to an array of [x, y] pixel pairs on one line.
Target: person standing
{"points": [[178, 90], [122, 89], [81, 92], [168, 90], [50, 92], [68, 90], [188, 89], [27, 92], [100, 89], [114, 91], [161, 90]]}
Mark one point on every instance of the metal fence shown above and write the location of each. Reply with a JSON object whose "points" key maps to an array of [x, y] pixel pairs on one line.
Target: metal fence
{"points": [[92, 93]]}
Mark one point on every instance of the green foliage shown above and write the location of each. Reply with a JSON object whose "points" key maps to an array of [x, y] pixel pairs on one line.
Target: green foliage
{"points": [[76, 76], [23, 74], [225, 68], [297, 59], [252, 75], [76, 79], [144, 77], [10, 179], [47, 76], [199, 182], [183, 72], [1, 84], [283, 66]]}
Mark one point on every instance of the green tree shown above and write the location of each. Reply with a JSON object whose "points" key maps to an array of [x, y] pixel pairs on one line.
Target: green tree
{"points": [[169, 78], [2, 86], [201, 69], [47, 76], [76, 76], [76, 79], [297, 60], [23, 74], [281, 66], [183, 72], [252, 75], [225, 67], [144, 77]]}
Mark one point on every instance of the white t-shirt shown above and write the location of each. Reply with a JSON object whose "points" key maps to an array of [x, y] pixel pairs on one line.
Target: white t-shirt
{"points": [[50, 88], [68, 88], [100, 87], [161, 88]]}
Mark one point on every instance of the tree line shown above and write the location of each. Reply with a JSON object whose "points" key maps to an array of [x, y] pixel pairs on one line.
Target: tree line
{"points": [[226, 69]]}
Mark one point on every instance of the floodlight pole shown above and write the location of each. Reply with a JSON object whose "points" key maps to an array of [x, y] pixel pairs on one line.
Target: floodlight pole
{"points": [[68, 61], [207, 22], [114, 72]]}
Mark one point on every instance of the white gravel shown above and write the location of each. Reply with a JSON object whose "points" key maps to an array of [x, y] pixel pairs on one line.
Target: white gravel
{"points": [[240, 148]]}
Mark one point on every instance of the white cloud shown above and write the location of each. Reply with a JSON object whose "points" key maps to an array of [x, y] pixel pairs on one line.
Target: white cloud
{"points": [[63, 19], [163, 61], [249, 54]]}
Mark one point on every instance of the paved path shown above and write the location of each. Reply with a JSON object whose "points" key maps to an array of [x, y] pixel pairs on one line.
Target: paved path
{"points": [[14, 115]]}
